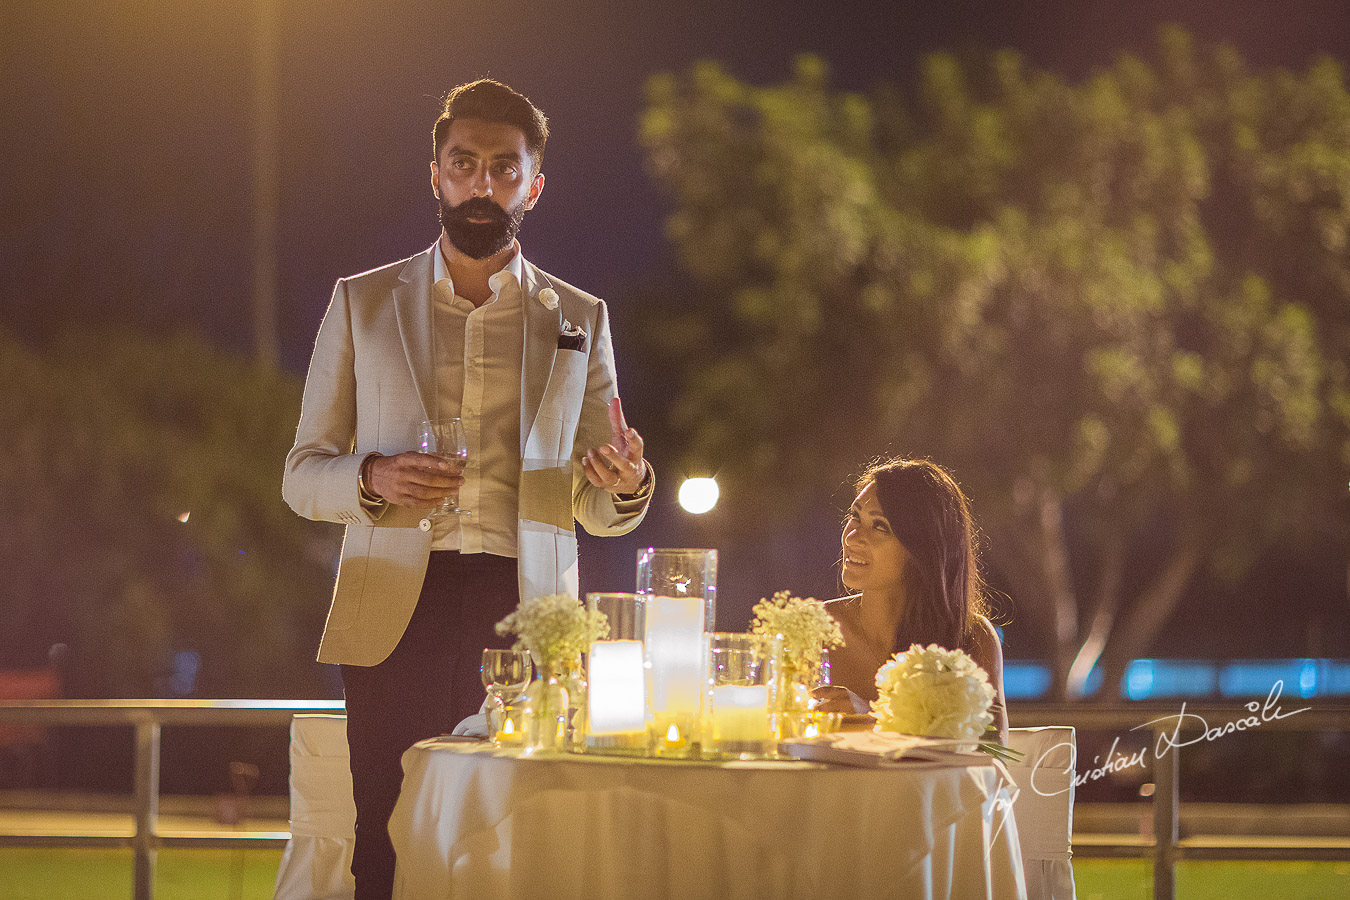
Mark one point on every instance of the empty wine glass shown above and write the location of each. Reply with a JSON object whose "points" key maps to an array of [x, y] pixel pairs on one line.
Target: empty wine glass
{"points": [[444, 438], [506, 673]]}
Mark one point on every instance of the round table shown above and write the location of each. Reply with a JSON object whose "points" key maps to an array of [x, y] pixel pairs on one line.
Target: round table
{"points": [[476, 821]]}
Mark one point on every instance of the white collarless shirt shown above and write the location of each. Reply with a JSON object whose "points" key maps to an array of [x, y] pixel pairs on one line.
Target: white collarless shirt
{"points": [[478, 356]]}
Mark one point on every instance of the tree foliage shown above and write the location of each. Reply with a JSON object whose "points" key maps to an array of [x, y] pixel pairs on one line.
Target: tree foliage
{"points": [[142, 482], [1118, 308]]}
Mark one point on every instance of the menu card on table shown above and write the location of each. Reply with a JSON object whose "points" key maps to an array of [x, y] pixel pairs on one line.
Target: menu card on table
{"points": [[878, 749]]}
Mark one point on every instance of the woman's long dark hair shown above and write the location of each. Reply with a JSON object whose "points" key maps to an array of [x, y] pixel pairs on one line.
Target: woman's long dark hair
{"points": [[930, 516]]}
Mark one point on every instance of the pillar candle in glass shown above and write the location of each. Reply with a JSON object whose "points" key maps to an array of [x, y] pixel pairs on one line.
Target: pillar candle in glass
{"points": [[681, 576], [616, 705], [676, 664], [739, 683]]}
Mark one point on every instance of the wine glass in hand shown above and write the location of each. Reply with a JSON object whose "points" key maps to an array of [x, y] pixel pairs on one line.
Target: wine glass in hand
{"points": [[444, 438], [506, 673]]}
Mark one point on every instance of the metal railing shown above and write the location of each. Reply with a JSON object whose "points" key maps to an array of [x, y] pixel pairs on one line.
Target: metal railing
{"points": [[147, 717], [1169, 728]]}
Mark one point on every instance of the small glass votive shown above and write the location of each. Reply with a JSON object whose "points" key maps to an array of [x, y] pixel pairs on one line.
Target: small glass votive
{"points": [[508, 724], [815, 723], [740, 685]]}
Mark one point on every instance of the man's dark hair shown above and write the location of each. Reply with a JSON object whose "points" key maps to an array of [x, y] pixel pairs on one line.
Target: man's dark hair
{"points": [[492, 101]]}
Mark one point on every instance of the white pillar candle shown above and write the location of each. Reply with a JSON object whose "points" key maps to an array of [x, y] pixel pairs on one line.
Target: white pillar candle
{"points": [[740, 713], [615, 688], [676, 653]]}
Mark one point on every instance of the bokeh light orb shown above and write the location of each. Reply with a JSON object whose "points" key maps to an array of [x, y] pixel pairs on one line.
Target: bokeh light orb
{"points": [[698, 495]]}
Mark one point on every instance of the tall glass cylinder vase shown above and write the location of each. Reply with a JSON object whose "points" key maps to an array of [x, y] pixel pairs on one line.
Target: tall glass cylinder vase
{"points": [[616, 704], [680, 587], [680, 573]]}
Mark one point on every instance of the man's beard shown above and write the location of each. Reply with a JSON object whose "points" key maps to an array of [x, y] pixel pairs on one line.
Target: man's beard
{"points": [[479, 240]]}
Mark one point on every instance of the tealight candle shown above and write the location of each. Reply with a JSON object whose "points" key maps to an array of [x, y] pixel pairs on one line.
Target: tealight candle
{"points": [[510, 726]]}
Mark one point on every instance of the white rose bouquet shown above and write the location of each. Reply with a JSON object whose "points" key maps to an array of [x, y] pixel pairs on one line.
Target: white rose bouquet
{"points": [[804, 624], [556, 628], [937, 692]]}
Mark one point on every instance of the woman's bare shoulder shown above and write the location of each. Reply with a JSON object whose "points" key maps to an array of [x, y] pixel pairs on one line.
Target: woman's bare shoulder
{"points": [[985, 646], [983, 630]]}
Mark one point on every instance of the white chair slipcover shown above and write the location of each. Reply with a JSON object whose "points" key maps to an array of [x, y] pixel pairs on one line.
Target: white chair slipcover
{"points": [[1044, 808], [316, 864]]}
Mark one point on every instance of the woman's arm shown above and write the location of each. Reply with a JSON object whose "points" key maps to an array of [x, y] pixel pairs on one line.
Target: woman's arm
{"points": [[988, 653]]}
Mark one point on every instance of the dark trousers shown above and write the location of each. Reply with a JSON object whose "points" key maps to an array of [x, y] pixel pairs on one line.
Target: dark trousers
{"points": [[423, 689]]}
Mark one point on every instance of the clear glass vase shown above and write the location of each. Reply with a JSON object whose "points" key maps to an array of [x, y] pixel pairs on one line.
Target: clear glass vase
{"points": [[794, 706], [547, 710], [574, 680]]}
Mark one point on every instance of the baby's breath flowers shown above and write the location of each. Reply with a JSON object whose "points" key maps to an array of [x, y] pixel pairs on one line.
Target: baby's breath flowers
{"points": [[804, 624], [555, 628]]}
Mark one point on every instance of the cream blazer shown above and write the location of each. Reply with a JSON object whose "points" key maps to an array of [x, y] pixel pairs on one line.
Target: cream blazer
{"points": [[372, 380]]}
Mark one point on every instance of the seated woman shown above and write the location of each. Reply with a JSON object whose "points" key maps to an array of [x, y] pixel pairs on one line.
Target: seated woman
{"points": [[909, 553]]}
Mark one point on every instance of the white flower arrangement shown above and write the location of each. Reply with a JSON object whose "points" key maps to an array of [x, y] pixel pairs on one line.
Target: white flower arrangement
{"points": [[804, 624], [555, 628], [933, 691], [549, 297]]}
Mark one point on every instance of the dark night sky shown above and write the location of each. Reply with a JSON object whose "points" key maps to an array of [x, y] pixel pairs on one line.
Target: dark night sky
{"points": [[124, 131], [127, 143]]}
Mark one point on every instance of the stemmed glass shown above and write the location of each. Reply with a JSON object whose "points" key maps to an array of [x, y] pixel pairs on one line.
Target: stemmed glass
{"points": [[506, 673], [444, 438]]}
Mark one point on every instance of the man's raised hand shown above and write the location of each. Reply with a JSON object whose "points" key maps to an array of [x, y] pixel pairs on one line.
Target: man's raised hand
{"points": [[617, 467]]}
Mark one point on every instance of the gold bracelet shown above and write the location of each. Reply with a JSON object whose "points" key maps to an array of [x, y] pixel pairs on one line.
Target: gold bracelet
{"points": [[644, 488]]}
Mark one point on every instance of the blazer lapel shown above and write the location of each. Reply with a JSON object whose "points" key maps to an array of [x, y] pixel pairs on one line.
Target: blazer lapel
{"points": [[412, 307], [541, 346]]}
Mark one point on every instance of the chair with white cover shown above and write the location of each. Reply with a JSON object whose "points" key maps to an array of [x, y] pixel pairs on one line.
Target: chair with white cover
{"points": [[317, 861], [1044, 808]]}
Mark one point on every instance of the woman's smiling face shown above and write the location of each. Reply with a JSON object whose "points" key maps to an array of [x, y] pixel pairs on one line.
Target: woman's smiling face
{"points": [[874, 558]]}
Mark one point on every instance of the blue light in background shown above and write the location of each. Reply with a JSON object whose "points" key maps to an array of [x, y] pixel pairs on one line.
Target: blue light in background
{"points": [[1139, 679], [1307, 678], [1025, 680], [1147, 679], [1156, 679], [1304, 677], [1337, 680]]}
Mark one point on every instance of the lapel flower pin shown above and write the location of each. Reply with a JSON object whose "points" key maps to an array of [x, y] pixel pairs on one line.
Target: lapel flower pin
{"points": [[549, 297]]}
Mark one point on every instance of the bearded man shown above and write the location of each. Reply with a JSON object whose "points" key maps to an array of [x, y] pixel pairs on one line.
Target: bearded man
{"points": [[467, 328]]}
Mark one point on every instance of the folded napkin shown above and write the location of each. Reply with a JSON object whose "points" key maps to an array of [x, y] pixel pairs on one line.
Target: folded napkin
{"points": [[874, 748], [475, 725]]}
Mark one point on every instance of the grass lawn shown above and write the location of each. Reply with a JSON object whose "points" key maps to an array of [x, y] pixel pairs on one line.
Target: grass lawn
{"points": [[98, 874], [1132, 879], [35, 874]]}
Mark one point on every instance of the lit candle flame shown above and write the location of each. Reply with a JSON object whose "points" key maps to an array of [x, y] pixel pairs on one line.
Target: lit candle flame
{"points": [[673, 734], [811, 730], [509, 727]]}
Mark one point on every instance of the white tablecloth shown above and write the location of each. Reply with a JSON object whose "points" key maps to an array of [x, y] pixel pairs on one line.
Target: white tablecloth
{"points": [[472, 822]]}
